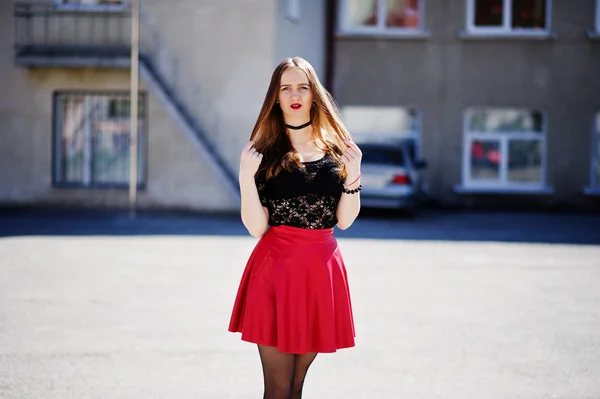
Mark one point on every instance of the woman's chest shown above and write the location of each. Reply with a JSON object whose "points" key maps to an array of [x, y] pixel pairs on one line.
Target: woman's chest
{"points": [[321, 181]]}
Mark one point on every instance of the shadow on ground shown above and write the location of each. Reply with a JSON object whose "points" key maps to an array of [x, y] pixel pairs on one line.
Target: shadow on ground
{"points": [[566, 228]]}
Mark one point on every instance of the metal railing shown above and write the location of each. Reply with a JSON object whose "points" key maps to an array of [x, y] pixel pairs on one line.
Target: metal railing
{"points": [[42, 28]]}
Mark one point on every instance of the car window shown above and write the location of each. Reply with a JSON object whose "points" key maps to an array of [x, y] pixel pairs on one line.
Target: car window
{"points": [[382, 155]]}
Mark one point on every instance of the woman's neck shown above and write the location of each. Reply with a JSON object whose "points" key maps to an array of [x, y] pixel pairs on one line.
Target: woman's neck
{"points": [[296, 120], [301, 137]]}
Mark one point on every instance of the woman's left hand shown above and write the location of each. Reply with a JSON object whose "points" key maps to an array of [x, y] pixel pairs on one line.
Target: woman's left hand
{"points": [[352, 158]]}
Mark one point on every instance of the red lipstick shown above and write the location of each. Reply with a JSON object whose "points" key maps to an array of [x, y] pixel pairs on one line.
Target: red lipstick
{"points": [[295, 106]]}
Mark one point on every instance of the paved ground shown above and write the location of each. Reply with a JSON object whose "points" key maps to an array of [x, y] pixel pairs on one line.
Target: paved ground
{"points": [[464, 305]]}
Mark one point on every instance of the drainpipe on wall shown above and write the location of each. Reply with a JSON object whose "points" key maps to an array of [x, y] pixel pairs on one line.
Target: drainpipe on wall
{"points": [[133, 108]]}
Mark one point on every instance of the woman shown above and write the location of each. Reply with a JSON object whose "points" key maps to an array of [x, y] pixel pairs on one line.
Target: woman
{"points": [[299, 177]]}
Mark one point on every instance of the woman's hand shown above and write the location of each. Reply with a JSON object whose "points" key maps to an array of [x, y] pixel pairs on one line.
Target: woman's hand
{"points": [[249, 161], [352, 158]]}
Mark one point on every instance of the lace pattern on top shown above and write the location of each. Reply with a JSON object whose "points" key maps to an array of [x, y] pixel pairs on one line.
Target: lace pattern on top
{"points": [[302, 198]]}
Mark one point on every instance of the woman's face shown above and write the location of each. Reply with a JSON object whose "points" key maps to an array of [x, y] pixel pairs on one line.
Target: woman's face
{"points": [[295, 95]]}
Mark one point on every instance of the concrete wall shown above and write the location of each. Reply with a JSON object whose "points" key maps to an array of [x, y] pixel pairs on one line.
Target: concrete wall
{"points": [[177, 174], [224, 51], [445, 73], [303, 36]]}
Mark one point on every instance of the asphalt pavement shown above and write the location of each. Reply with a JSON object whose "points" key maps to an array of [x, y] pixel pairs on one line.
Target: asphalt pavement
{"points": [[452, 305]]}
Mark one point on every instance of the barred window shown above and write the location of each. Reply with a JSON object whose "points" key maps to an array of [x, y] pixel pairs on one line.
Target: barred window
{"points": [[92, 140]]}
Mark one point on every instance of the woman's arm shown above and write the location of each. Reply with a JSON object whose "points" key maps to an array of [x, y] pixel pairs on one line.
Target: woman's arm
{"points": [[254, 216], [349, 205]]}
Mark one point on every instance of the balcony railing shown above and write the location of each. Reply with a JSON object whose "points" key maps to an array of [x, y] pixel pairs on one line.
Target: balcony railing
{"points": [[44, 28], [47, 35]]}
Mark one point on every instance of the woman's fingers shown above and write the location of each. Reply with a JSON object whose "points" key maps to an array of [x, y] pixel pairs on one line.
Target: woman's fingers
{"points": [[250, 151], [351, 146], [248, 146]]}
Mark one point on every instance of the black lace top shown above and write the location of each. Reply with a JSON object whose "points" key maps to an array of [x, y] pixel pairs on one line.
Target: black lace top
{"points": [[302, 198]]}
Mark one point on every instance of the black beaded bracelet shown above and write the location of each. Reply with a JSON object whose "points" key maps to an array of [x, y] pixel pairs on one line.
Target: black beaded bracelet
{"points": [[357, 189]]}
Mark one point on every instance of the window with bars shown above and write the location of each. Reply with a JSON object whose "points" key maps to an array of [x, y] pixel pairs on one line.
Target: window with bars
{"points": [[381, 16], [504, 148], [92, 140], [508, 16]]}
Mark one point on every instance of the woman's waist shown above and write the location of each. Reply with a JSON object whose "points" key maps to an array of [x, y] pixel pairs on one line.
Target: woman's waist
{"points": [[302, 234]]}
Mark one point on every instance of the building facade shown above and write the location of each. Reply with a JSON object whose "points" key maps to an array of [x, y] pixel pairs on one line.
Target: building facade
{"points": [[501, 97], [204, 70]]}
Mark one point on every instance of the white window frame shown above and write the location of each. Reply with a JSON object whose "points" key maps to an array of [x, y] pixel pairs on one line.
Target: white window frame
{"points": [[503, 138], [380, 28], [506, 29], [292, 10], [597, 16], [62, 6]]}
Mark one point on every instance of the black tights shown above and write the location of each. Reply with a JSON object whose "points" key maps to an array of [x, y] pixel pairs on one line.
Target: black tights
{"points": [[284, 373]]}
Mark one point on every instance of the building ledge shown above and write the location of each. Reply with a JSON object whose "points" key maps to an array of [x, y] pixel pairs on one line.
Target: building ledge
{"points": [[83, 8], [115, 56], [465, 35], [73, 61], [460, 189], [381, 35], [592, 191]]}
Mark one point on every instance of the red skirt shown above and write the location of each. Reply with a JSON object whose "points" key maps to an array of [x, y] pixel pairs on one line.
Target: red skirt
{"points": [[294, 293]]}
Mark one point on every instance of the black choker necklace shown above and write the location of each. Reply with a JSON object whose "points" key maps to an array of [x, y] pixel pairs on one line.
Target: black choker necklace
{"points": [[298, 127]]}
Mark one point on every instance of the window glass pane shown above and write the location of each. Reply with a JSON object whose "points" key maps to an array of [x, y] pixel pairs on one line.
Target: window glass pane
{"points": [[403, 13], [382, 155], [399, 121], [110, 143], [529, 14], [485, 160], [361, 13], [95, 139], [505, 120], [597, 158], [525, 161], [488, 13], [71, 113]]}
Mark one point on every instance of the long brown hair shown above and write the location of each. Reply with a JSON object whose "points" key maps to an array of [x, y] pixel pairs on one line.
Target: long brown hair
{"points": [[270, 135]]}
